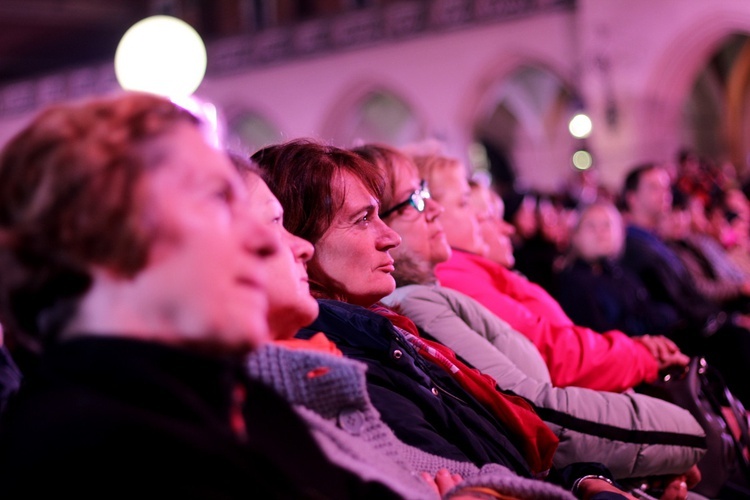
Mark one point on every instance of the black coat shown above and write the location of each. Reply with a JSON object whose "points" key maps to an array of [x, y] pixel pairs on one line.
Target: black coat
{"points": [[424, 406], [605, 296], [115, 418]]}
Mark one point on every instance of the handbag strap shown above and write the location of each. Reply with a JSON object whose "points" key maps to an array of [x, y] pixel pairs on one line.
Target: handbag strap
{"points": [[711, 378]]}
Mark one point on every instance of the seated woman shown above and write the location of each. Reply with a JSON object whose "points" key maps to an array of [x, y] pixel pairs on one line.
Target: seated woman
{"points": [[329, 391], [615, 299], [715, 276], [575, 356], [633, 435], [128, 258], [427, 396]]}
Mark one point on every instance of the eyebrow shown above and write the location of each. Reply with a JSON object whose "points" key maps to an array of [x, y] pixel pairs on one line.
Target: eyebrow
{"points": [[367, 208], [410, 191]]}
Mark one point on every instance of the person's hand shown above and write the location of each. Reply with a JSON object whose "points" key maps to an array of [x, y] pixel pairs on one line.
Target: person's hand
{"points": [[591, 486], [443, 480], [676, 487], [664, 350]]}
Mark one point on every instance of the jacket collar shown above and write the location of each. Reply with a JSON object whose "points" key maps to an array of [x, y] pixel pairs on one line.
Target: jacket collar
{"points": [[348, 324]]}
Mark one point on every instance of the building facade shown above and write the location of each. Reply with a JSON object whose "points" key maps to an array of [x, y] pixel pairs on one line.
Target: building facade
{"points": [[495, 82]]}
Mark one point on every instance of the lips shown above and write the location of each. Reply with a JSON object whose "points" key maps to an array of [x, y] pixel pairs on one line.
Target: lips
{"points": [[387, 267]]}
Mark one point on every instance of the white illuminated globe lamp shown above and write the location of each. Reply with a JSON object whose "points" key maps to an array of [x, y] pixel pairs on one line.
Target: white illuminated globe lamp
{"points": [[162, 55], [580, 126], [582, 160]]}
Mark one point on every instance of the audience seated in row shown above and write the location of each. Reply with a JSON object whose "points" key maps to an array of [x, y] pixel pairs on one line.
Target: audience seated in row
{"points": [[703, 327], [640, 432], [352, 265], [131, 260], [152, 279], [330, 392], [575, 356]]}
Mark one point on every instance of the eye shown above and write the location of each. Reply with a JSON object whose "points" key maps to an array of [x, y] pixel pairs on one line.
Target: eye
{"points": [[366, 218], [225, 193]]}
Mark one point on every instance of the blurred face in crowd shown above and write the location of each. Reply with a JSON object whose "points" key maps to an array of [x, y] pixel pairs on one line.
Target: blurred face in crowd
{"points": [[698, 220], [205, 281], [450, 188], [675, 225], [524, 220], [353, 254], [490, 209], [599, 233], [653, 198], [290, 304], [422, 234]]}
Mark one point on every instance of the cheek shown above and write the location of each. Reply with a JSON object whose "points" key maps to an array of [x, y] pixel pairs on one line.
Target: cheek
{"points": [[490, 235], [334, 262], [453, 220], [415, 244]]}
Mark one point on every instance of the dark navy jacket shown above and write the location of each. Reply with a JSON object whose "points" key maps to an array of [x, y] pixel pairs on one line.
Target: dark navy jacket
{"points": [[424, 405]]}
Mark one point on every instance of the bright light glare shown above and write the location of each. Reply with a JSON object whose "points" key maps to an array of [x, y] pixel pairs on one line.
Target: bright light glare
{"points": [[161, 55], [582, 160], [212, 123], [580, 126]]}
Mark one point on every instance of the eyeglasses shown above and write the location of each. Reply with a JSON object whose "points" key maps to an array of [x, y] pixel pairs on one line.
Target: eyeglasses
{"points": [[416, 200]]}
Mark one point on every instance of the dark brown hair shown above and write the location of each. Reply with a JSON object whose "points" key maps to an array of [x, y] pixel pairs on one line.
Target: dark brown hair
{"points": [[304, 176], [70, 199], [391, 162], [633, 181]]}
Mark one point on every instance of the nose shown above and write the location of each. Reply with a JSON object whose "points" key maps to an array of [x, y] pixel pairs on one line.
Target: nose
{"points": [[433, 209], [387, 238], [258, 238], [302, 249], [505, 228]]}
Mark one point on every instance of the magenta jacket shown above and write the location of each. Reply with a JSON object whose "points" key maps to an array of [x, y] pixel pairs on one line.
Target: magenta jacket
{"points": [[576, 356]]}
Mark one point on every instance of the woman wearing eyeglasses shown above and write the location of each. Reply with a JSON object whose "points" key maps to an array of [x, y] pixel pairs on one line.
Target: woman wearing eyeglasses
{"points": [[625, 433]]}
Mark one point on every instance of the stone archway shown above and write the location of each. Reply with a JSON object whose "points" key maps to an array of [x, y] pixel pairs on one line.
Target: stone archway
{"points": [[249, 131], [686, 86], [523, 126], [373, 113]]}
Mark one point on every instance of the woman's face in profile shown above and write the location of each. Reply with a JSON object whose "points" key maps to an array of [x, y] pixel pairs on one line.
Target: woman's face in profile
{"points": [[205, 282], [450, 188], [353, 255], [290, 305], [422, 234], [490, 210]]}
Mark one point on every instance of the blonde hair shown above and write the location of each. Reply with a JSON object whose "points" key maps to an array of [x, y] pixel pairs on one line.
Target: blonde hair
{"points": [[433, 165]]}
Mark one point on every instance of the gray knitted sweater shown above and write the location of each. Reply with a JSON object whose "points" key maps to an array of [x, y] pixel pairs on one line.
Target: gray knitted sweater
{"points": [[329, 392]]}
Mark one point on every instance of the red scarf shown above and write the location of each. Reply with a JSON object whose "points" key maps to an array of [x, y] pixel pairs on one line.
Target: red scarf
{"points": [[532, 436]]}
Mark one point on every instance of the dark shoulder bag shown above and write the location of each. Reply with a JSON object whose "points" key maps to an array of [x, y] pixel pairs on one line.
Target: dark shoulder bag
{"points": [[700, 389]]}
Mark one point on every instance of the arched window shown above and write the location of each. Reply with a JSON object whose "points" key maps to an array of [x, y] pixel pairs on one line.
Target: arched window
{"points": [[524, 128], [381, 116], [248, 131]]}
